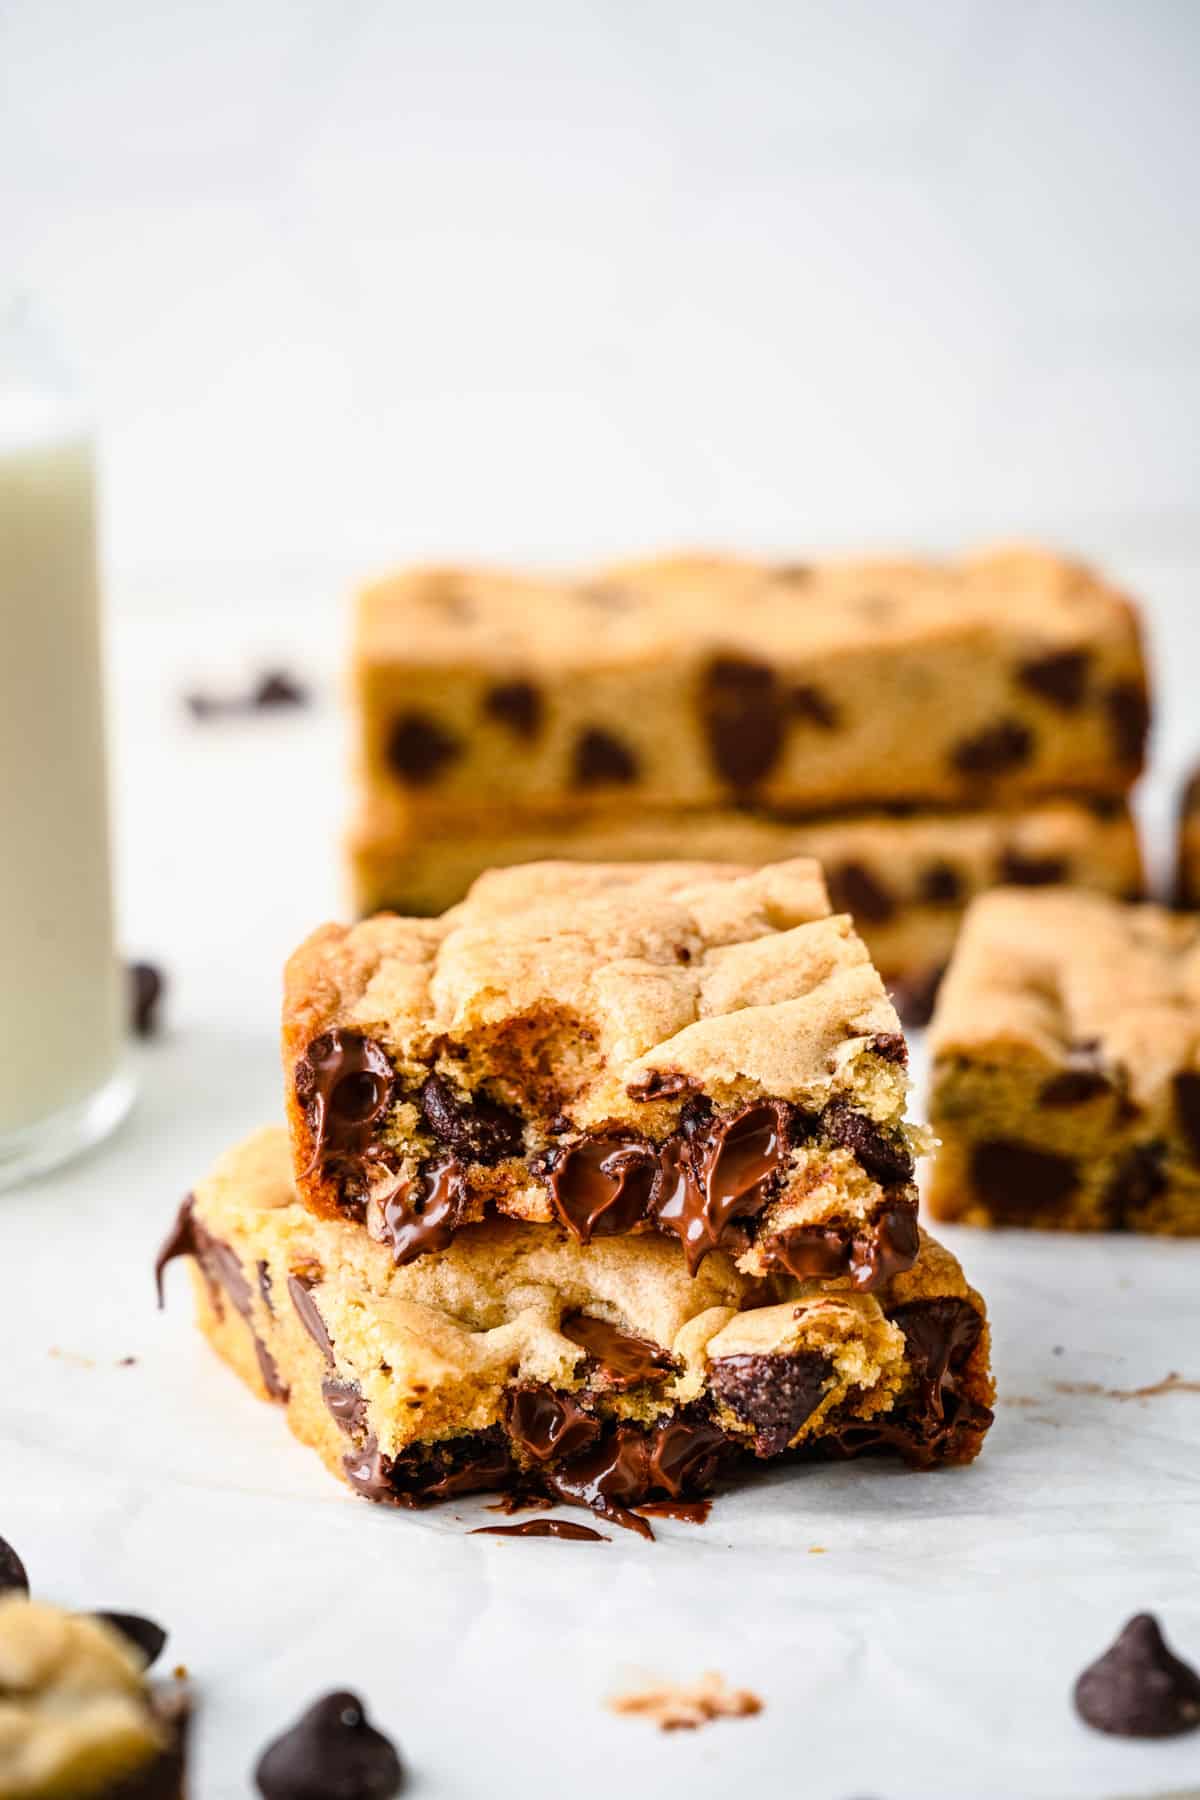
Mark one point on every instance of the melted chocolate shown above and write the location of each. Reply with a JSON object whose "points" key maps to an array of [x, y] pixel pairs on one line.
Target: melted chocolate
{"points": [[344, 1400], [622, 1360], [545, 1425], [602, 1186], [940, 1336], [423, 1215], [224, 1275], [309, 1316], [678, 1458], [179, 1241], [543, 1528], [695, 1512], [465, 1465], [886, 1247], [345, 1083], [886, 1160], [723, 1173]]}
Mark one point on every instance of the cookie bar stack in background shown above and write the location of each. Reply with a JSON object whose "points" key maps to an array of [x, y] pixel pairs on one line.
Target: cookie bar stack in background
{"points": [[594, 1187], [926, 730]]}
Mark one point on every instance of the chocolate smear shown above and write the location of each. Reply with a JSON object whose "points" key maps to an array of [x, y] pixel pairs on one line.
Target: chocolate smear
{"points": [[332, 1752], [543, 1528], [1139, 1687]]}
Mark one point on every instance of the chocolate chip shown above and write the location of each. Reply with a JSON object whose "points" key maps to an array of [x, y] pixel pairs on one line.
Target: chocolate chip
{"points": [[345, 1083], [1139, 1181], [717, 1172], [13, 1578], [742, 716], [890, 1046], [1033, 871], [941, 885], [1187, 1109], [346, 1405], [1060, 677], [623, 1360], [915, 996], [1139, 1688], [1018, 1183], [477, 1462], [478, 1129], [886, 1160], [332, 1752], [996, 750], [854, 889], [815, 708], [309, 1316], [601, 760], [1082, 1080], [545, 1425], [274, 688], [602, 1186], [939, 1337], [423, 1216], [145, 992], [659, 1084], [278, 688], [774, 1394], [418, 748], [142, 1633], [264, 1287], [517, 704], [1128, 707]]}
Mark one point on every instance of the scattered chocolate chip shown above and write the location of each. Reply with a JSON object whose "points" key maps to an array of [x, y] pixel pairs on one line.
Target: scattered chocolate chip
{"points": [[544, 1425], [145, 992], [478, 1129], [309, 1316], [814, 707], [996, 750], [1140, 1179], [144, 1634], [622, 1360], [517, 704], [13, 1578], [1187, 1109], [1018, 1183], [345, 1083], [1139, 1688], [331, 1753], [742, 717], [418, 748], [1033, 871], [886, 1160], [1128, 708], [941, 885], [1061, 677], [774, 1394], [853, 888], [543, 1528], [601, 760]]}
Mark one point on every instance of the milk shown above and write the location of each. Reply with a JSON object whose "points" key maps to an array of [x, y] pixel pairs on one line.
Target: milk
{"points": [[61, 1024]]}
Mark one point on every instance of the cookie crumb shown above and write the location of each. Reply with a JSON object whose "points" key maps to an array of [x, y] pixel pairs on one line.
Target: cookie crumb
{"points": [[673, 1707]]}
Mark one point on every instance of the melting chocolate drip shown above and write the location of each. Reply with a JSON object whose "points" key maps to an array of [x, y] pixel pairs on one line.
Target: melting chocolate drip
{"points": [[774, 1394], [345, 1083], [543, 1528], [545, 1425], [721, 1173], [300, 1289], [887, 1246], [622, 1360], [602, 1186], [677, 1459], [423, 1215], [224, 1275], [477, 1130]]}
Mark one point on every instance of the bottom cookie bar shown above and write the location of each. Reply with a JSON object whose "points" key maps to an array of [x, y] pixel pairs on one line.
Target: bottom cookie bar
{"points": [[605, 1376]]}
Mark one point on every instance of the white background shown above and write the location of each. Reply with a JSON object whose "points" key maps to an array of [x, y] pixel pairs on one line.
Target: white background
{"points": [[350, 282]]}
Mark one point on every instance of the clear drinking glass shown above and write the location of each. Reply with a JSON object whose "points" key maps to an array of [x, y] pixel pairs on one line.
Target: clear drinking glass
{"points": [[63, 1079]]}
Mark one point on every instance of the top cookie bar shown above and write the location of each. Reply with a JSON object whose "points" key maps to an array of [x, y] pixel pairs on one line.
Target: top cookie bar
{"points": [[697, 1049], [697, 680]]}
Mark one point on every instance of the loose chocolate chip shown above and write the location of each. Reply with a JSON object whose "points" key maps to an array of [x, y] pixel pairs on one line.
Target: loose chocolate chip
{"points": [[1140, 1180], [144, 1634], [1187, 1109], [309, 1316], [886, 1160], [814, 707], [854, 889], [517, 704], [742, 716], [941, 885], [478, 1129], [545, 1425], [1128, 708], [13, 1578], [418, 748], [145, 992], [774, 1394], [1018, 1183], [602, 760], [345, 1083], [1033, 871], [332, 1752], [997, 750], [1061, 677], [1138, 1688]]}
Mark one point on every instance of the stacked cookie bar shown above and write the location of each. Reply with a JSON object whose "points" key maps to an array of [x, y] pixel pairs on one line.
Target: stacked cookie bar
{"points": [[925, 730], [593, 1186]]}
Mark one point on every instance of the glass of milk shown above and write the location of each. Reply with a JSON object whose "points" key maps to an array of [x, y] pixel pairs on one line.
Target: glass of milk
{"points": [[63, 1081]]}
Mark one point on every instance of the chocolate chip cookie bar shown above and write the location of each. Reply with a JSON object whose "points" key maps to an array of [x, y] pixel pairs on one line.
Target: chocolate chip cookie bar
{"points": [[704, 681], [698, 1050], [78, 1720], [521, 1362], [1066, 1071], [1187, 876], [905, 877]]}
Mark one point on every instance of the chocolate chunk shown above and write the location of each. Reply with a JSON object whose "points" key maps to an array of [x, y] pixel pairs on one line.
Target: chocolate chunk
{"points": [[854, 889], [718, 1172], [939, 1336], [145, 992], [345, 1083], [659, 1084], [418, 748], [477, 1129], [1139, 1688], [602, 760], [996, 750], [814, 707], [268, 1368], [915, 995], [1128, 707], [1033, 871], [812, 1252], [13, 1579], [941, 885], [332, 1752], [885, 1159], [1061, 677], [345, 1402], [308, 1313], [517, 704], [423, 1215], [368, 1471], [545, 1425], [774, 1394], [602, 1186], [1018, 1183], [471, 1464], [544, 1528], [890, 1046], [1187, 1109], [1140, 1180], [142, 1633], [742, 713], [623, 1359]]}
